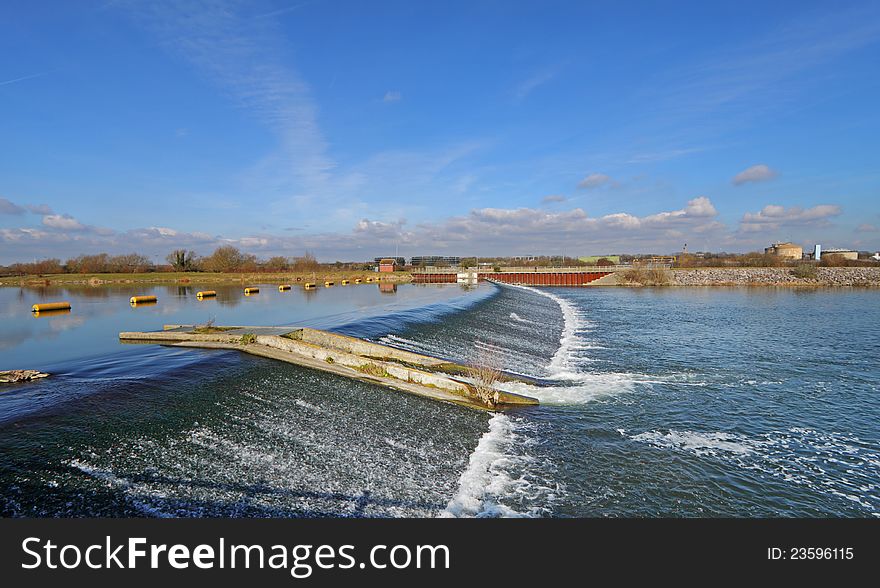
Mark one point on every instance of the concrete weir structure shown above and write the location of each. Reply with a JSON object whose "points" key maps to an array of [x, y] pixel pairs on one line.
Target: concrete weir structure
{"points": [[366, 361], [523, 276]]}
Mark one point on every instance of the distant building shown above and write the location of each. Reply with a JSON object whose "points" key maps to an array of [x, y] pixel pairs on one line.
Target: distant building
{"points": [[434, 260], [387, 264], [876, 256], [785, 250], [840, 253], [594, 259], [399, 261]]}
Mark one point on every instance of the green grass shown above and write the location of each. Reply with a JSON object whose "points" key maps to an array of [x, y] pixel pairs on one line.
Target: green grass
{"points": [[206, 330]]}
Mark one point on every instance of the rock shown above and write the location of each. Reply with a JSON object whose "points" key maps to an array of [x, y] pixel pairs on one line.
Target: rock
{"points": [[776, 276], [13, 376]]}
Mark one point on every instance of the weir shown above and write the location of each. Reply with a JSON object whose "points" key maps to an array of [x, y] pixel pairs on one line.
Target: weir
{"points": [[422, 375], [523, 276]]}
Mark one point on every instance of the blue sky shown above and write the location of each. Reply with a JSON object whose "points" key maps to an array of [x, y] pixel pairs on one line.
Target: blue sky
{"points": [[355, 129]]}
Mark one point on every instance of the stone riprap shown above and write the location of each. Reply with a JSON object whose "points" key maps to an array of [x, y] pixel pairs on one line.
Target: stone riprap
{"points": [[776, 276]]}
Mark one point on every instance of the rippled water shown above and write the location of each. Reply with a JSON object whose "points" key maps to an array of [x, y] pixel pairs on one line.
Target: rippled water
{"points": [[657, 402]]}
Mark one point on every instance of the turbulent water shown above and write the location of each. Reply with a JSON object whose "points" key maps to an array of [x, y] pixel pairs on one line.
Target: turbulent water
{"points": [[655, 402]]}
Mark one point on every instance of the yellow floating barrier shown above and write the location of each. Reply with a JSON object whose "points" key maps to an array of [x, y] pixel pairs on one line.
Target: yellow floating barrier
{"points": [[142, 299], [345, 282], [206, 294], [43, 307], [283, 287], [249, 291], [37, 314], [369, 279], [310, 285], [328, 283], [357, 280]]}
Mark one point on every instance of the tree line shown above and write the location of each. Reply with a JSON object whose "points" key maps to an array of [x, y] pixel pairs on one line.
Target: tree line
{"points": [[224, 259]]}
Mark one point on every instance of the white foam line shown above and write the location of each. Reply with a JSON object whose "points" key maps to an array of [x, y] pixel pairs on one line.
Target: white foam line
{"points": [[568, 339], [114, 481], [485, 478]]}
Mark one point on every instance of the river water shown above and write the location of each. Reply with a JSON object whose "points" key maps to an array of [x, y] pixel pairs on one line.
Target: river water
{"points": [[658, 402]]}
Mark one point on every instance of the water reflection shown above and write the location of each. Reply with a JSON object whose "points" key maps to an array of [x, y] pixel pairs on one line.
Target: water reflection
{"points": [[67, 341], [48, 313]]}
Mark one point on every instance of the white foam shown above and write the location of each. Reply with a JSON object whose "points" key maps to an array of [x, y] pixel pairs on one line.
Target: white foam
{"points": [[519, 319], [569, 341], [497, 471], [133, 492], [831, 463], [698, 443]]}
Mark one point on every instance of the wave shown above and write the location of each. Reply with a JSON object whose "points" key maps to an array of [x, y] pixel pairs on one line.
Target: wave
{"points": [[836, 464], [501, 475]]}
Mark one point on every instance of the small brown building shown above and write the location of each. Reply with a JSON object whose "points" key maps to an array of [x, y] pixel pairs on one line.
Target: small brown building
{"points": [[387, 264]]}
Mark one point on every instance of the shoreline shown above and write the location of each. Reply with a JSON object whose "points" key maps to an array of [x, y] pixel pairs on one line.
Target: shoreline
{"points": [[184, 278], [764, 277]]}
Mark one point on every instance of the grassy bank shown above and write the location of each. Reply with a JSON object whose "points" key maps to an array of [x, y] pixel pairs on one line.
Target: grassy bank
{"points": [[202, 278]]}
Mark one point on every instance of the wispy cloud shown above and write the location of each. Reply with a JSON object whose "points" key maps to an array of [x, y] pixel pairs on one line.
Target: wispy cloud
{"points": [[281, 11], [755, 173], [527, 86], [760, 76], [593, 181], [9, 207], [241, 56], [23, 78], [553, 199], [392, 96]]}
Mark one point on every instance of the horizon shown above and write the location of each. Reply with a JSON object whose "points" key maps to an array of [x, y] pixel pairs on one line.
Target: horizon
{"points": [[468, 129]]}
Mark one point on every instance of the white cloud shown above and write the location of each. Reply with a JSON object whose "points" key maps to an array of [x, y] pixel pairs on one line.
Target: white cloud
{"points": [[64, 222], [553, 198], [392, 96], [594, 180], [756, 173], [867, 228], [773, 216]]}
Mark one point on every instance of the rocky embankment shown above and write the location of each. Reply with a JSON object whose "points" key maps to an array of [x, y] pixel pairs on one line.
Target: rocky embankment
{"points": [[776, 276]]}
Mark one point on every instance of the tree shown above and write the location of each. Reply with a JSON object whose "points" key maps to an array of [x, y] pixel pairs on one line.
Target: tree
{"points": [[182, 260], [306, 263], [133, 262], [277, 264], [228, 259]]}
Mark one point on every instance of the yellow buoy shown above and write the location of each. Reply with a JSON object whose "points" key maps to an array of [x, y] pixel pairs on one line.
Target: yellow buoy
{"points": [[310, 285], [249, 291], [283, 287], [357, 280], [369, 279], [328, 283], [37, 313], [345, 282], [142, 299], [50, 306], [206, 294]]}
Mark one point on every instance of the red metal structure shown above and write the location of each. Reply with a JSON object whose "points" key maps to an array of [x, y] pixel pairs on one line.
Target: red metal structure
{"points": [[526, 278]]}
